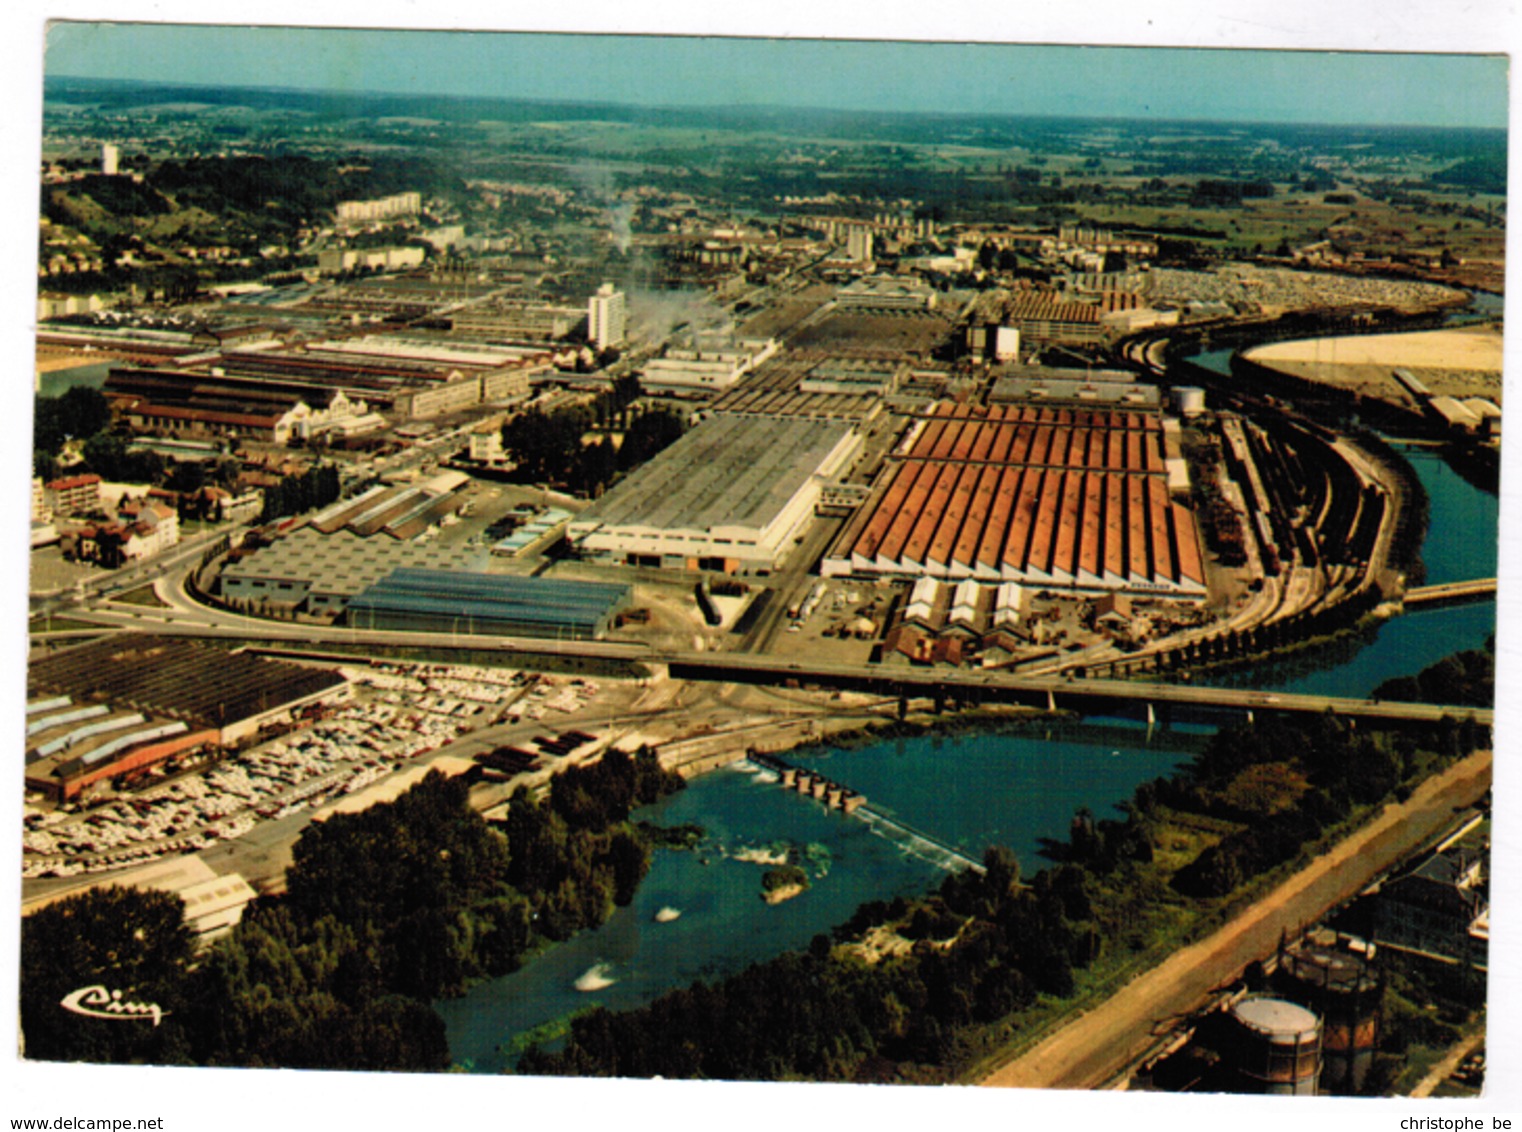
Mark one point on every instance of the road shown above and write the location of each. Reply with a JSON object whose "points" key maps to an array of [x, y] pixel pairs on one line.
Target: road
{"points": [[973, 685], [1097, 1046]]}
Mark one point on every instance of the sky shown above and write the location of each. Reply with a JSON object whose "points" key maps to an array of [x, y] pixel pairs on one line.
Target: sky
{"points": [[1220, 84]]}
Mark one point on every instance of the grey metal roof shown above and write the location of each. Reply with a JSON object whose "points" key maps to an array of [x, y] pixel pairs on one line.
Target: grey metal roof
{"points": [[499, 598], [728, 471], [345, 563]]}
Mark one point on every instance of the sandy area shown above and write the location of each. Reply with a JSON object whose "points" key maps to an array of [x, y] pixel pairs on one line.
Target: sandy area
{"points": [[1472, 348], [786, 892], [1455, 363]]}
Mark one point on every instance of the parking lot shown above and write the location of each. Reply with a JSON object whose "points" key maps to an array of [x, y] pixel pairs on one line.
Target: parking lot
{"points": [[399, 713]]}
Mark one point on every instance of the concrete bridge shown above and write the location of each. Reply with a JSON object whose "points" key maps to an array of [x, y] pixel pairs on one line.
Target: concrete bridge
{"points": [[1049, 692], [1472, 590], [943, 685]]}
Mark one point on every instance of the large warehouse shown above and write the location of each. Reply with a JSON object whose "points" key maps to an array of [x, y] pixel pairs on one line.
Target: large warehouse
{"points": [[1066, 498], [116, 706], [731, 495], [446, 601]]}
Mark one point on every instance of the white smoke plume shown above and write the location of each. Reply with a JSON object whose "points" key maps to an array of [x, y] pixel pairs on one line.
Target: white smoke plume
{"points": [[597, 181], [656, 315]]}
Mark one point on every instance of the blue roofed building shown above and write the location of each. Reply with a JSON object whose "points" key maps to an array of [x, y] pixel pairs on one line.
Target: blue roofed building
{"points": [[447, 601]]}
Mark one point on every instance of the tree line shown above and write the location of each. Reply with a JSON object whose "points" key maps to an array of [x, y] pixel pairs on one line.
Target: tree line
{"points": [[385, 910]]}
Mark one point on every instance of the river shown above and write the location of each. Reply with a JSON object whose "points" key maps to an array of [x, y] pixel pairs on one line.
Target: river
{"points": [[967, 791]]}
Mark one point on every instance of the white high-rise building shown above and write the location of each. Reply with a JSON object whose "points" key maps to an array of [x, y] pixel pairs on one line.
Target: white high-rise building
{"points": [[110, 159], [607, 317]]}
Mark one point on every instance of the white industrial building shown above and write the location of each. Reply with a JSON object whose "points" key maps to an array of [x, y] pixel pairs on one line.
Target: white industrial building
{"points": [[731, 495], [705, 368]]}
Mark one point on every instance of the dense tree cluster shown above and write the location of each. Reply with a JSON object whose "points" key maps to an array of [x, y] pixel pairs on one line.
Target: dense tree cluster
{"points": [[550, 447], [129, 942], [316, 487], [1466, 679], [1342, 769], [76, 413], [385, 910]]}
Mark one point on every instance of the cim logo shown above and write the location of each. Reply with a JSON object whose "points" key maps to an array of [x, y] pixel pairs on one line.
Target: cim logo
{"points": [[98, 1002]]}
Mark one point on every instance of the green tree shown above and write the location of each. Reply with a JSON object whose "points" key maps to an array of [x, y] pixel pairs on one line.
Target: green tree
{"points": [[132, 943]]}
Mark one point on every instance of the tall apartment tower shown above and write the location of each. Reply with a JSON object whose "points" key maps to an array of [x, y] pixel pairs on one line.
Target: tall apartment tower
{"points": [[110, 159], [859, 243], [606, 317]]}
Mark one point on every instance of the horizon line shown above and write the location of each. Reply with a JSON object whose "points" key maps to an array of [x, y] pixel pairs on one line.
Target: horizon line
{"points": [[548, 100]]}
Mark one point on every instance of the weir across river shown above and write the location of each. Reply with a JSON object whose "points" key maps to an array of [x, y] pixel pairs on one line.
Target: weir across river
{"points": [[811, 784]]}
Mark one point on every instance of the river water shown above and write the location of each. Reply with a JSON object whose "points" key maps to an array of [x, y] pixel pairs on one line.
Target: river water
{"points": [[966, 792]]}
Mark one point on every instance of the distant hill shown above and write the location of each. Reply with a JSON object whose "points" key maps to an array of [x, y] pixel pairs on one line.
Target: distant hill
{"points": [[1038, 134], [1485, 174]]}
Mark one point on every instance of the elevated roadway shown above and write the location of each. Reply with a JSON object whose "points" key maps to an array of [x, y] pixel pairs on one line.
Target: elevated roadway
{"points": [[1472, 590], [1052, 693]]}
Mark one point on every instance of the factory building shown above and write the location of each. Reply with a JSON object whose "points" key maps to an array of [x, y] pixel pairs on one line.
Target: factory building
{"points": [[1074, 388], [1440, 909], [1041, 319], [838, 388], [1061, 498], [731, 495], [411, 376], [119, 706], [504, 319], [320, 573], [705, 367], [179, 404], [856, 377], [213, 903], [885, 293], [442, 601]]}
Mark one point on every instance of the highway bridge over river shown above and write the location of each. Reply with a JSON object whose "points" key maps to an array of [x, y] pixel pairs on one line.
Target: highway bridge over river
{"points": [[943, 685], [1472, 590]]}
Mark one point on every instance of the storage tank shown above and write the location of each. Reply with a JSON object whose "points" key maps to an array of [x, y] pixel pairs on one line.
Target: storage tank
{"points": [[1335, 976], [1275, 1047], [1190, 400]]}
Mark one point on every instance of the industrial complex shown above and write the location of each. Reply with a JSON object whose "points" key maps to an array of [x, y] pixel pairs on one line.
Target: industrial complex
{"points": [[492, 470]]}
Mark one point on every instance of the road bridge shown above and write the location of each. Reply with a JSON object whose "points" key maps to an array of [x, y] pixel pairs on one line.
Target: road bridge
{"points": [[1472, 590], [956, 686]]}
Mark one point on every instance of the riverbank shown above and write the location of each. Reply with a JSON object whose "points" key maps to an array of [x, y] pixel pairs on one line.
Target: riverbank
{"points": [[1091, 1048], [701, 754]]}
